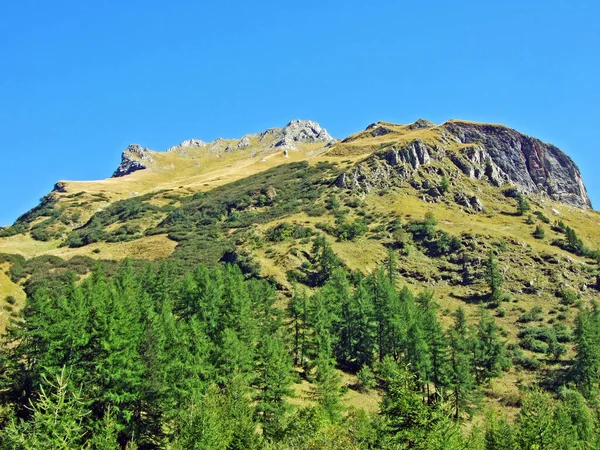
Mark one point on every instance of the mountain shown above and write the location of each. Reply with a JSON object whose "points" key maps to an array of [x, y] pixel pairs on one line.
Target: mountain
{"points": [[444, 199]]}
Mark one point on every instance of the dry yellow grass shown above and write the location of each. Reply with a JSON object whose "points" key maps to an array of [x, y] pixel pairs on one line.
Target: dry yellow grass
{"points": [[150, 247]]}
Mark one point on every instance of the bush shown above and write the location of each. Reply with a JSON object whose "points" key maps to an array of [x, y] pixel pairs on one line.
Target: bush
{"points": [[534, 345], [366, 377], [567, 296], [540, 215], [11, 300], [285, 231], [527, 363], [539, 232], [533, 314], [349, 231]]}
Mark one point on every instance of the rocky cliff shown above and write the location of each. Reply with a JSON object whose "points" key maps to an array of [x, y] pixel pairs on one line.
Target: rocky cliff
{"points": [[496, 153]]}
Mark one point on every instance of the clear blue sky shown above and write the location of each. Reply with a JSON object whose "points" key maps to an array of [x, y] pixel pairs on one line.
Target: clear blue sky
{"points": [[81, 80]]}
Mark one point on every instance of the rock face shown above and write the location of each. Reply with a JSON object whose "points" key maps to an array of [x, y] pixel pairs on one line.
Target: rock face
{"points": [[189, 143], [133, 158], [532, 165], [501, 155], [305, 131]]}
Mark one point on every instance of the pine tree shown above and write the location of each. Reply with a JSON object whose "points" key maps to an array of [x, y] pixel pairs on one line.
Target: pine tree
{"points": [[297, 311], [273, 383], [202, 423], [386, 308], [56, 422], [435, 339], [321, 337], [523, 205], [391, 266], [240, 411], [536, 427], [406, 418], [461, 383], [363, 326], [326, 391], [499, 434], [494, 277], [325, 260], [575, 420], [586, 369], [489, 352]]}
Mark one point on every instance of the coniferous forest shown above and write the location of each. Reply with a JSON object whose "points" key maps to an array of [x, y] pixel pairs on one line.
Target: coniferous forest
{"points": [[148, 357]]}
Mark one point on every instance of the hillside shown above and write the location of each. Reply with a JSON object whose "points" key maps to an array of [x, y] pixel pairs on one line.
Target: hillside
{"points": [[443, 201]]}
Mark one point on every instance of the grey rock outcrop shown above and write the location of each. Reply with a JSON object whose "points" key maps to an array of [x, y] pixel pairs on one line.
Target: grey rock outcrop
{"points": [[134, 158], [534, 166], [388, 168], [244, 143], [305, 131], [500, 155], [189, 143]]}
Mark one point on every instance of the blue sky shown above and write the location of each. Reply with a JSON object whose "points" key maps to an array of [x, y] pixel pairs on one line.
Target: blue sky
{"points": [[79, 81]]}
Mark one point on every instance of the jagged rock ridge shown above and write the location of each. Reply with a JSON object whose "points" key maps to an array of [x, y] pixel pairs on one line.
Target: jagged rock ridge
{"points": [[295, 132]]}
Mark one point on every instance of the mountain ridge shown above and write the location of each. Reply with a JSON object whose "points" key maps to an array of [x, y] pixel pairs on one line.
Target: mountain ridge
{"points": [[503, 154]]}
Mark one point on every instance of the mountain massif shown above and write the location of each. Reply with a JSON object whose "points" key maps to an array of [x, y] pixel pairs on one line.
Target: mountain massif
{"points": [[479, 217]]}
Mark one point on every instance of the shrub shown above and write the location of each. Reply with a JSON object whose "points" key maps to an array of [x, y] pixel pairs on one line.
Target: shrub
{"points": [[567, 296], [444, 185], [527, 363], [366, 377], [534, 345], [285, 231], [539, 232], [349, 231], [533, 314], [540, 215]]}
